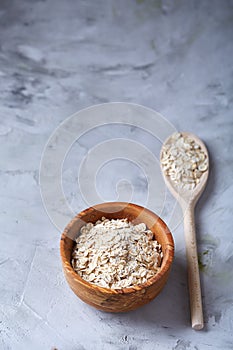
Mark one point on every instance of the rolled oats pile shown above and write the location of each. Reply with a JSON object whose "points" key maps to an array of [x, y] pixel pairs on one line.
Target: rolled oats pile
{"points": [[183, 161], [116, 254]]}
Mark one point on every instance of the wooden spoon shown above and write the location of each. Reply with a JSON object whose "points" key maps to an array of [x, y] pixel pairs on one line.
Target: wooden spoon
{"points": [[188, 199]]}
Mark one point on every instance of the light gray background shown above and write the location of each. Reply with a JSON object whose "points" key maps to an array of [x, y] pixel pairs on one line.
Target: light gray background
{"points": [[57, 57]]}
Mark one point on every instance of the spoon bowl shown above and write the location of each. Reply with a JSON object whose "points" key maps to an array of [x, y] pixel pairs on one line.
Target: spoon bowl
{"points": [[183, 195]]}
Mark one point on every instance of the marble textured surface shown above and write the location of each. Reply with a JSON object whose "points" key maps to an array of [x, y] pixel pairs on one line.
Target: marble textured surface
{"points": [[57, 57]]}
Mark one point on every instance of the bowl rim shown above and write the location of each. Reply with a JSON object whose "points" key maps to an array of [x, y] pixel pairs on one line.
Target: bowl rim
{"points": [[164, 269]]}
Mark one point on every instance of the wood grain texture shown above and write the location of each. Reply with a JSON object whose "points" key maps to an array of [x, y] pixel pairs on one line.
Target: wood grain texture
{"points": [[193, 269], [127, 298]]}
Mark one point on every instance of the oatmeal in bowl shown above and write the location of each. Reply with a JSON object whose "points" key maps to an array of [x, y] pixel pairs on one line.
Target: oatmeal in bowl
{"points": [[115, 253]]}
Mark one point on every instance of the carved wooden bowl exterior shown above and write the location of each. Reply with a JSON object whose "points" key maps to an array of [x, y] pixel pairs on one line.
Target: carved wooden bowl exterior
{"points": [[125, 299]]}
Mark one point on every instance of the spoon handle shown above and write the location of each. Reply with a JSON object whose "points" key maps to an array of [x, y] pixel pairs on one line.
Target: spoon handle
{"points": [[193, 269]]}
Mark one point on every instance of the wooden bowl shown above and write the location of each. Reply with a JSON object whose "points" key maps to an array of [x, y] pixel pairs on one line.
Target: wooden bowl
{"points": [[125, 299]]}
